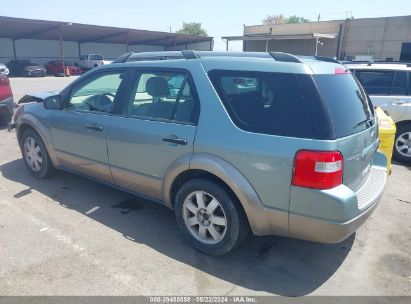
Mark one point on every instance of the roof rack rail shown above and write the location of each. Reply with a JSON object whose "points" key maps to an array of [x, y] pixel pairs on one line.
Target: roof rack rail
{"points": [[122, 58], [326, 59], [408, 64], [190, 54], [279, 56]]}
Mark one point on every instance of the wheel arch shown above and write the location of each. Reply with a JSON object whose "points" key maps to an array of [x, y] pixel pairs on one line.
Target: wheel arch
{"points": [[31, 122], [220, 171], [402, 122]]}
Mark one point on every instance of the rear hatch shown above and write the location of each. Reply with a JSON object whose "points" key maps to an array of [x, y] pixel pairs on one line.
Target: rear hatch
{"points": [[355, 127]]}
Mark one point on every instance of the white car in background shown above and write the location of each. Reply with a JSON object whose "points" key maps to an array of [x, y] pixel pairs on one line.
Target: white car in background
{"points": [[90, 61], [389, 87], [4, 70]]}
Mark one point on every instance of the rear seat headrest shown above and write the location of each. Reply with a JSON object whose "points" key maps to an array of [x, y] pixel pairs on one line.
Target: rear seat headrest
{"points": [[157, 87]]}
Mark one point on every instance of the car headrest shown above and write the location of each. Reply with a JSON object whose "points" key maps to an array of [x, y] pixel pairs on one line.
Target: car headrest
{"points": [[157, 87]]}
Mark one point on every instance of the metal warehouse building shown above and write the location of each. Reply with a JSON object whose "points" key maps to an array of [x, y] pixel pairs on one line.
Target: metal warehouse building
{"points": [[386, 38], [43, 41]]}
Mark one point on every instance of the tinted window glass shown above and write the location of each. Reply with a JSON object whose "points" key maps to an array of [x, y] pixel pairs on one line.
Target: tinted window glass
{"points": [[399, 86], [376, 82], [96, 57], [96, 94], [409, 83], [347, 102], [270, 103], [162, 95]]}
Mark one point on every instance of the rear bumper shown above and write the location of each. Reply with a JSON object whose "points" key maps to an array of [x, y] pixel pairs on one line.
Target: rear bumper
{"points": [[35, 73], [326, 216], [322, 231], [344, 210]]}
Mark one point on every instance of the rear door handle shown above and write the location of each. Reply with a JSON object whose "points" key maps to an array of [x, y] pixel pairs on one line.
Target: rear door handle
{"points": [[175, 140], [398, 102], [94, 127]]}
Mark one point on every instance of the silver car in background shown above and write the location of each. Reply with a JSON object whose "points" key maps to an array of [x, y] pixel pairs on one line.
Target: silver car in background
{"points": [[389, 87]]}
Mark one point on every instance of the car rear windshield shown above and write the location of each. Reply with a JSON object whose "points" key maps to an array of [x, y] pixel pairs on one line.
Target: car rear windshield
{"points": [[350, 108], [261, 102]]}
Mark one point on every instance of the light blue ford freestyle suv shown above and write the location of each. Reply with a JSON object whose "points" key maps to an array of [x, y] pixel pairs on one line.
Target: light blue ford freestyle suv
{"points": [[232, 142]]}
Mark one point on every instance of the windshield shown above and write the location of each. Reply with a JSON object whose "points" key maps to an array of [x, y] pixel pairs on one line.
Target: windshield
{"points": [[349, 106], [96, 57]]}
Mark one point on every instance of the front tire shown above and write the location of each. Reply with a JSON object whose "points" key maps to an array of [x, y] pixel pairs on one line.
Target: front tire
{"points": [[35, 154], [402, 145], [209, 219]]}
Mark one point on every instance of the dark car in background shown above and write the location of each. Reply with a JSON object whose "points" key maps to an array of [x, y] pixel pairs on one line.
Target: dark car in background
{"points": [[6, 101], [55, 68], [25, 68]]}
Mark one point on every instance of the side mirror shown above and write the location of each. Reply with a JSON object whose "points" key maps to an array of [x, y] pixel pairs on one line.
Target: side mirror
{"points": [[52, 102]]}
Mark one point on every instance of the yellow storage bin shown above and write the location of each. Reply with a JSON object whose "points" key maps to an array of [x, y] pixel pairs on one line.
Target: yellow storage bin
{"points": [[387, 129]]}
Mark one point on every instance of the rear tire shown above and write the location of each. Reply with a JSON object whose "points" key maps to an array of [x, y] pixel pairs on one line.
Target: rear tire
{"points": [[35, 155], [402, 144], [209, 219]]}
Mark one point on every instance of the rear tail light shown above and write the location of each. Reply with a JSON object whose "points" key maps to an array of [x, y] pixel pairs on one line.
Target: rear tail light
{"points": [[318, 169]]}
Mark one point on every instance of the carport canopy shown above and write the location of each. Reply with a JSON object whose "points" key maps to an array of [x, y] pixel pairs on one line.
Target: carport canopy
{"points": [[270, 36], [20, 28], [280, 37]]}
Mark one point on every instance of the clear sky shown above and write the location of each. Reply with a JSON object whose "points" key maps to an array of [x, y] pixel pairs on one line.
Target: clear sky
{"points": [[219, 17]]}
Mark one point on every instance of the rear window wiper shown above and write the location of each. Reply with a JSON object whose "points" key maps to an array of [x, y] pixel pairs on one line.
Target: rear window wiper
{"points": [[366, 121]]}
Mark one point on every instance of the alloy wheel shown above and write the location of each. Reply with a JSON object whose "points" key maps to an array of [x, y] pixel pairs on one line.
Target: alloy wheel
{"points": [[32, 154], [204, 217], [403, 144]]}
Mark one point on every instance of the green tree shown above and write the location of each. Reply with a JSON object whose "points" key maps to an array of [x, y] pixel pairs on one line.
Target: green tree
{"points": [[192, 28], [297, 19], [280, 19], [274, 19]]}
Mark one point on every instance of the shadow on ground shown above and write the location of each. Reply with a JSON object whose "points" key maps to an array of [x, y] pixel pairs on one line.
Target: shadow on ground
{"points": [[272, 264]]}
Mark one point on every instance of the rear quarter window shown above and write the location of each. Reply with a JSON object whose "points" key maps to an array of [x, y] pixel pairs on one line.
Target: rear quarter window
{"points": [[260, 102], [349, 106]]}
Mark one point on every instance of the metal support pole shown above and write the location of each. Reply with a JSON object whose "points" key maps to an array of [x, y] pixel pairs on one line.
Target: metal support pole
{"points": [[79, 49], [226, 45], [337, 54], [14, 49], [62, 51], [316, 45], [127, 42], [266, 45]]}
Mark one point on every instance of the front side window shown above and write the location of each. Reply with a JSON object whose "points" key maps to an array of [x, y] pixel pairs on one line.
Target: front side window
{"points": [[164, 96], [97, 94], [270, 103]]}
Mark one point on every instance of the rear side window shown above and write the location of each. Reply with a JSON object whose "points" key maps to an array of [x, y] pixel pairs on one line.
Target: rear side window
{"points": [[383, 82], [349, 106], [164, 96], [260, 102]]}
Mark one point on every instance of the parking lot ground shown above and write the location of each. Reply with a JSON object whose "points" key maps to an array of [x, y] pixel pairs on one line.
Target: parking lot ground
{"points": [[67, 235], [22, 86]]}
